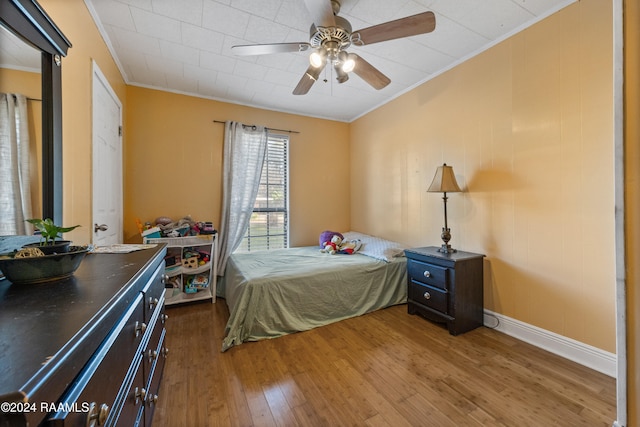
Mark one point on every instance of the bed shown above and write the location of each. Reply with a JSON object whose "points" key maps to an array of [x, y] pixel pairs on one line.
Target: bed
{"points": [[278, 292]]}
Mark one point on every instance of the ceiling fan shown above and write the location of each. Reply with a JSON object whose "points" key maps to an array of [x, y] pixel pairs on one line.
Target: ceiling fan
{"points": [[331, 35]]}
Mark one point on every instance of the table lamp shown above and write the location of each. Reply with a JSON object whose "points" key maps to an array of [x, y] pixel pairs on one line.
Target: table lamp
{"points": [[444, 182]]}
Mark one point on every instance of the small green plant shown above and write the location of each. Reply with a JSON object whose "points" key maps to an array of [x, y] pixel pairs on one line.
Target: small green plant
{"points": [[48, 230]]}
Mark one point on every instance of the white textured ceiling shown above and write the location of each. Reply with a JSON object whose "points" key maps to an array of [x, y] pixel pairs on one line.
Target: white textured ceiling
{"points": [[16, 54], [184, 46]]}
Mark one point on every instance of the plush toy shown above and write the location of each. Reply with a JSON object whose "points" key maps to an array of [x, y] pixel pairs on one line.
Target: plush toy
{"points": [[326, 236], [350, 247], [333, 245]]}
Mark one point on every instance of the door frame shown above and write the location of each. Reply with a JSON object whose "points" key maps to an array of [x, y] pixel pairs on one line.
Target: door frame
{"points": [[98, 77], [622, 379]]}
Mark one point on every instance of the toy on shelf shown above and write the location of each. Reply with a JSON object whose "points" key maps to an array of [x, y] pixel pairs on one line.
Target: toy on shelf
{"points": [[190, 260], [199, 281], [164, 226]]}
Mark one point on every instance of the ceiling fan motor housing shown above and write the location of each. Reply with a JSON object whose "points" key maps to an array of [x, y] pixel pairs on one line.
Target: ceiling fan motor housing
{"points": [[340, 34]]}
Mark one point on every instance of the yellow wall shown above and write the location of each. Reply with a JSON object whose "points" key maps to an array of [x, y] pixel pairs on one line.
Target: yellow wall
{"points": [[158, 124], [74, 19], [173, 162], [527, 127], [632, 202], [29, 84]]}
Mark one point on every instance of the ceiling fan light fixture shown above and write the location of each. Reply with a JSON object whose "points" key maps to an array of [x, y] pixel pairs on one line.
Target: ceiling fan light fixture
{"points": [[318, 58], [341, 76], [348, 63]]}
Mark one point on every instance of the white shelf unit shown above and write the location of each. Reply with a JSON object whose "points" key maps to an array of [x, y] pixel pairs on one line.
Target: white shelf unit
{"points": [[187, 279]]}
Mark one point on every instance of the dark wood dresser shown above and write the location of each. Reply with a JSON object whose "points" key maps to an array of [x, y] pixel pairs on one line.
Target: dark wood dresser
{"points": [[446, 288], [88, 350]]}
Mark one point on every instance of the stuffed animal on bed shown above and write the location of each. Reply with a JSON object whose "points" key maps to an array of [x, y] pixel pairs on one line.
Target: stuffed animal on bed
{"points": [[349, 247], [333, 245], [326, 236]]}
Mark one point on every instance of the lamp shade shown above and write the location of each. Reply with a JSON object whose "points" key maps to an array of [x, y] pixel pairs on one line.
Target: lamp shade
{"points": [[444, 181]]}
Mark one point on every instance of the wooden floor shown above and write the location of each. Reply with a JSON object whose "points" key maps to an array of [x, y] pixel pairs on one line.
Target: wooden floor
{"points": [[382, 369]]}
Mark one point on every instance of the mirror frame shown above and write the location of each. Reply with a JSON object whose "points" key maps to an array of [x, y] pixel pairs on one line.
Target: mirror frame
{"points": [[27, 20]]}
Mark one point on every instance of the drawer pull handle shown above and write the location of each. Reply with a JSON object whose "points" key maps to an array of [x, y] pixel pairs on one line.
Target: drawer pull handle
{"points": [[97, 415], [140, 328], [139, 394], [153, 302], [165, 279], [152, 399], [427, 273], [164, 317], [165, 351], [153, 354], [427, 295]]}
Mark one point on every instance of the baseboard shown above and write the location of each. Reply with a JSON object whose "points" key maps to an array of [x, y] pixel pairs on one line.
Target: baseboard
{"points": [[584, 354]]}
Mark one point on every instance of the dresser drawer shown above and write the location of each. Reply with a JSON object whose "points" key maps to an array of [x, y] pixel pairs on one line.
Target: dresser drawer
{"points": [[133, 405], [430, 274], [152, 350], [153, 386], [153, 292], [429, 296], [102, 378]]}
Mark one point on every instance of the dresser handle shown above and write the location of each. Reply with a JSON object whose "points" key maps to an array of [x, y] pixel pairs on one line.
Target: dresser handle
{"points": [[139, 394], [165, 279], [164, 317], [97, 416], [153, 302], [153, 354], [427, 273], [427, 295], [165, 351], [153, 399], [140, 328]]}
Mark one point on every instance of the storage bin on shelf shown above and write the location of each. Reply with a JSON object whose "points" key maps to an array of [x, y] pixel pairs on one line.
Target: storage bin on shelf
{"points": [[190, 265]]}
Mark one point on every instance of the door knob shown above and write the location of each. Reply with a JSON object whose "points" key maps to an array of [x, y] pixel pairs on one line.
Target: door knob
{"points": [[102, 227]]}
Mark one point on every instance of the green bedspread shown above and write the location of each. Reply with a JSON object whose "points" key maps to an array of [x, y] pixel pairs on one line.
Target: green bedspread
{"points": [[274, 293]]}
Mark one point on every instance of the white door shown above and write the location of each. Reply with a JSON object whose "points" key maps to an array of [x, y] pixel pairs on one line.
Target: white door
{"points": [[107, 162]]}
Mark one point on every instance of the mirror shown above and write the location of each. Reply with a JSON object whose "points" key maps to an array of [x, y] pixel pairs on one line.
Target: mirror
{"points": [[27, 20], [20, 72]]}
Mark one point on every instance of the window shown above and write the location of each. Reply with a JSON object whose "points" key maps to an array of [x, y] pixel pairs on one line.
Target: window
{"points": [[269, 225]]}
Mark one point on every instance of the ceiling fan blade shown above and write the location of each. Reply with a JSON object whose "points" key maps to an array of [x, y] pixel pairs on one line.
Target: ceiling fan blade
{"points": [[267, 49], [369, 73], [308, 79], [321, 12], [404, 27]]}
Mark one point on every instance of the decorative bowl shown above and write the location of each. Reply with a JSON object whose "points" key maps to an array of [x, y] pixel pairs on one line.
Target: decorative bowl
{"points": [[44, 268], [56, 247]]}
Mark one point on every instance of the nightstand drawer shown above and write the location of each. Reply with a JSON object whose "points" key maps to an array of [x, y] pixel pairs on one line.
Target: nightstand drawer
{"points": [[428, 273], [429, 296]]}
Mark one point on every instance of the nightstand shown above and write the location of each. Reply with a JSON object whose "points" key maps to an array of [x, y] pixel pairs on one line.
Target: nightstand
{"points": [[446, 288]]}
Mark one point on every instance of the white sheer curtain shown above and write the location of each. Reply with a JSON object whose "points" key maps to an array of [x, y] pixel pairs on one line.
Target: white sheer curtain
{"points": [[15, 192], [244, 151]]}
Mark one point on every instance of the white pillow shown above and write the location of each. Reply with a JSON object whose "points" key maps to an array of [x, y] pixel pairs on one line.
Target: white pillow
{"points": [[376, 247]]}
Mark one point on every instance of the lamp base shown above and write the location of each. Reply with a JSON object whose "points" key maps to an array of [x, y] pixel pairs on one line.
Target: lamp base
{"points": [[446, 236], [446, 249]]}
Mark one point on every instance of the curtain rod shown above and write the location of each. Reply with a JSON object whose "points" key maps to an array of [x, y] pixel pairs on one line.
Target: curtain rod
{"points": [[278, 130], [34, 99]]}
